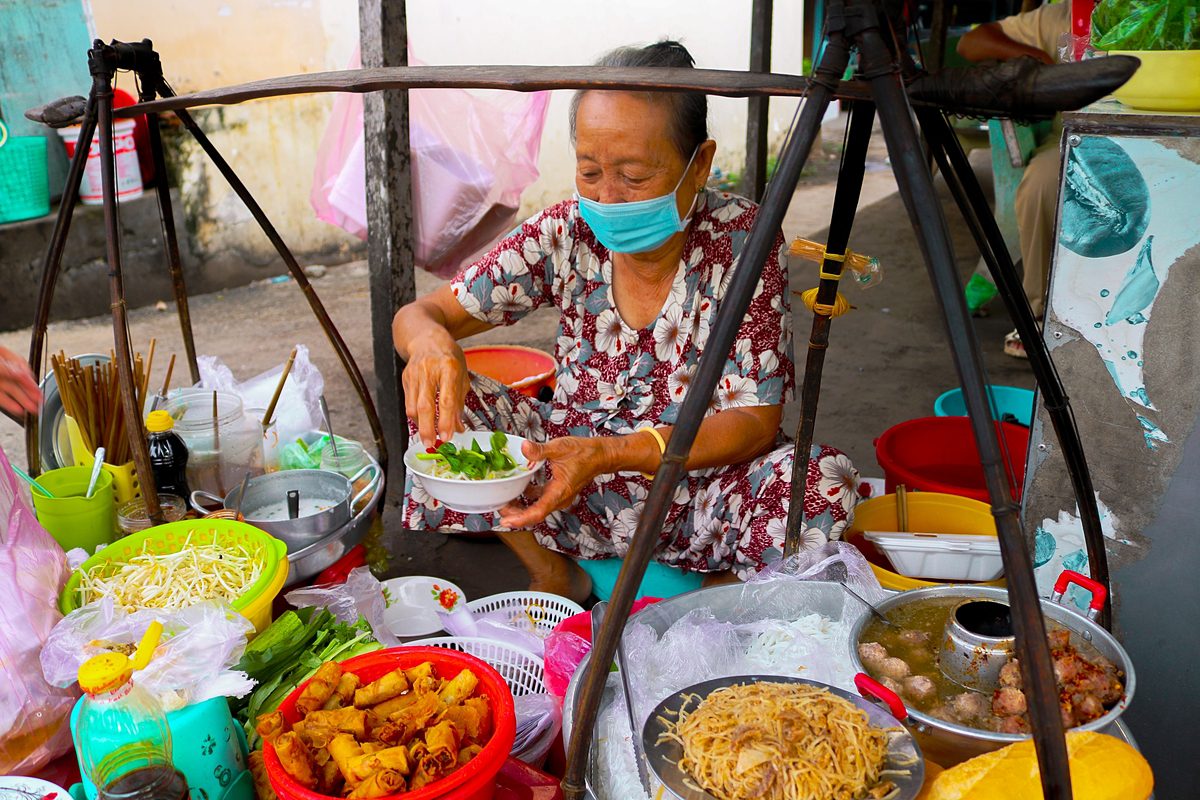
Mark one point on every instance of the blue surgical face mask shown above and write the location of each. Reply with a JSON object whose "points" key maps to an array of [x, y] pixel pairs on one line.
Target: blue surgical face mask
{"points": [[638, 226]]}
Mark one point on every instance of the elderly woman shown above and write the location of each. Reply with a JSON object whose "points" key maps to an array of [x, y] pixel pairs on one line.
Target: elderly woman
{"points": [[636, 265]]}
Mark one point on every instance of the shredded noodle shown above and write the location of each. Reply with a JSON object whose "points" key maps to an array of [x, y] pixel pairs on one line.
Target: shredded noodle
{"points": [[781, 741]]}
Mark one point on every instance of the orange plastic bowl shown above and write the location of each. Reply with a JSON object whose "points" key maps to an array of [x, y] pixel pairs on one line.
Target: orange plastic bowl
{"points": [[525, 369], [474, 781]]}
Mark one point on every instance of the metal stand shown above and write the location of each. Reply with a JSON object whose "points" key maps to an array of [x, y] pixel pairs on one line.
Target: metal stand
{"points": [[141, 58], [855, 22]]}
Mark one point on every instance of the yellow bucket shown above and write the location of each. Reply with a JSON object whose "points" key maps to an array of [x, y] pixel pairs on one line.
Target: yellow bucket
{"points": [[928, 512], [1167, 80], [254, 604], [125, 480]]}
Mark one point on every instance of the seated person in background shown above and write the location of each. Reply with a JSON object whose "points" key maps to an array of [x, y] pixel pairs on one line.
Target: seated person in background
{"points": [[19, 392], [636, 266], [1035, 33]]}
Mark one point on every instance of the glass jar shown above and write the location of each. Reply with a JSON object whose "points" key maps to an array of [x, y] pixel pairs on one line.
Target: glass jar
{"points": [[220, 451], [133, 517], [348, 458]]}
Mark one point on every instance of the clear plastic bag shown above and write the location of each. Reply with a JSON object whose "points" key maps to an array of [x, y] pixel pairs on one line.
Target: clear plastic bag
{"points": [[33, 713], [299, 408], [838, 562], [473, 153], [360, 596], [200, 644]]}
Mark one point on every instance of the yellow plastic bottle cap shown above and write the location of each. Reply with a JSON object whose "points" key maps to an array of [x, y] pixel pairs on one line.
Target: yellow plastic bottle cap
{"points": [[104, 672], [159, 422]]}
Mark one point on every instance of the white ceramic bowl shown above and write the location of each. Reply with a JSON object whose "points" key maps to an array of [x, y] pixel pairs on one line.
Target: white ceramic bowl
{"points": [[468, 496], [414, 602]]}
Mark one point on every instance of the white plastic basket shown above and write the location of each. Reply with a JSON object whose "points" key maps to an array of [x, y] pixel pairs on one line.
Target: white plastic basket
{"points": [[539, 612], [522, 670]]}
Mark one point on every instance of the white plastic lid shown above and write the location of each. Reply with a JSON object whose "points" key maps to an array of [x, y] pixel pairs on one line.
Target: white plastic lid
{"points": [[935, 542]]}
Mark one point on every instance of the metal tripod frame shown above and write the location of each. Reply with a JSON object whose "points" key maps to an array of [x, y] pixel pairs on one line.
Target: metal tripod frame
{"points": [[854, 23], [104, 61]]}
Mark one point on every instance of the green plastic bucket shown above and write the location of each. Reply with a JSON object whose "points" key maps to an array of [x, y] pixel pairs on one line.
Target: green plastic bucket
{"points": [[24, 189], [72, 519]]}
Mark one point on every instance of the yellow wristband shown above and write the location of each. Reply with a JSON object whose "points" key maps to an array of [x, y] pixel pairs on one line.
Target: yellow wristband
{"points": [[662, 444]]}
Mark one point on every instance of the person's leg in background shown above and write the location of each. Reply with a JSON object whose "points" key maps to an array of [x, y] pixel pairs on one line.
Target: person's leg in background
{"points": [[1037, 197]]}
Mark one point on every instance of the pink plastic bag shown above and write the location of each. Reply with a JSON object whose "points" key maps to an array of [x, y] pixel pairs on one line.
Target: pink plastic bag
{"points": [[473, 153], [33, 714]]}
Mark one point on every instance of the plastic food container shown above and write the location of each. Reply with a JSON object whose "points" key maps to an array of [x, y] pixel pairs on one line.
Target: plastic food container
{"points": [[941, 556], [132, 516], [474, 781], [254, 604], [217, 459]]}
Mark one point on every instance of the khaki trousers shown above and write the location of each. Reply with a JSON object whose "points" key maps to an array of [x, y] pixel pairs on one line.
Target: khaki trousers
{"points": [[1037, 197]]}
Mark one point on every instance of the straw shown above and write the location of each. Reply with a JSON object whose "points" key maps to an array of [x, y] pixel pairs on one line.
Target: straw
{"points": [[28, 479], [270, 413]]}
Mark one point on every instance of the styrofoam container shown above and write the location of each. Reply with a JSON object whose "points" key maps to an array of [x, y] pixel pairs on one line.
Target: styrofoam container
{"points": [[471, 496], [941, 556]]}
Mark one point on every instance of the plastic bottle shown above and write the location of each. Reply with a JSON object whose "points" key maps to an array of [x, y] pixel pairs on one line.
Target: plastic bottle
{"points": [[168, 455], [121, 732]]}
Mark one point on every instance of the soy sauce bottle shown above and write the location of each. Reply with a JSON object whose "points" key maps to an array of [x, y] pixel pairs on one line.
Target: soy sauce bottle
{"points": [[168, 455], [121, 731]]}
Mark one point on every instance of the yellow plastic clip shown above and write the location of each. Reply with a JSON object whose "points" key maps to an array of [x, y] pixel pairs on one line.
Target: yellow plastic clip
{"points": [[830, 276], [145, 648], [828, 256]]}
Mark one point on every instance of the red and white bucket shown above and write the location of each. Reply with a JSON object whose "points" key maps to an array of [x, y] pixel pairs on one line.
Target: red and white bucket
{"points": [[129, 175]]}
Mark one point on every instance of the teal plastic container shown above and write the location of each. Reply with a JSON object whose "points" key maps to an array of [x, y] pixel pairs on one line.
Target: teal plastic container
{"points": [[24, 188], [207, 746], [1010, 400], [659, 581]]}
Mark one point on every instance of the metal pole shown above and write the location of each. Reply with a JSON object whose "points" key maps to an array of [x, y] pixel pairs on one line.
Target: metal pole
{"points": [[845, 205], [52, 265], [974, 206], [758, 247], [101, 61], [924, 210]]}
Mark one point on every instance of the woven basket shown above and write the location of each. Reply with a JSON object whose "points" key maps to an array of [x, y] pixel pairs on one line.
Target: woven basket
{"points": [[24, 190]]}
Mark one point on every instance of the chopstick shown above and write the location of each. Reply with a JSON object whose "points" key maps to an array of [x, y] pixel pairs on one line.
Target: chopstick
{"points": [[270, 413], [902, 508]]}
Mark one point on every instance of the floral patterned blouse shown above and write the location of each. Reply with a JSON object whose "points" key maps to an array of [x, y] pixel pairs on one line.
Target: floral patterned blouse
{"points": [[612, 379]]}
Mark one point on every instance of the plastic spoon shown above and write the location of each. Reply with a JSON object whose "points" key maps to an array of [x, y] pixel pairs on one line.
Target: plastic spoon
{"points": [[28, 479], [96, 464]]}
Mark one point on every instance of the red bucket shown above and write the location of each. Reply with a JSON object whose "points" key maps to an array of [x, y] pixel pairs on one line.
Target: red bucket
{"points": [[525, 369], [938, 454], [474, 781]]}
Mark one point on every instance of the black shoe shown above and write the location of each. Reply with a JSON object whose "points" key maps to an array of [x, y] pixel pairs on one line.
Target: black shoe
{"points": [[1023, 88]]}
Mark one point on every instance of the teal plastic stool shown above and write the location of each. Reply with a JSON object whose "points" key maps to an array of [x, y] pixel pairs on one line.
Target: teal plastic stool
{"points": [[659, 580]]}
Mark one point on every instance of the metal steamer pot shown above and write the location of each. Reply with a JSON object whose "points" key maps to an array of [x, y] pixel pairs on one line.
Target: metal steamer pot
{"points": [[299, 506], [977, 659]]}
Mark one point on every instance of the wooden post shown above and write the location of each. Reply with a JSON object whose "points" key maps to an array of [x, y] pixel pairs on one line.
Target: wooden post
{"points": [[754, 177], [384, 42]]}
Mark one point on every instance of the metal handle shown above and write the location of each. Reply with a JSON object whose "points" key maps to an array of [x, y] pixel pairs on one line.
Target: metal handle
{"points": [[363, 492], [199, 495], [1098, 590], [872, 689], [293, 503]]}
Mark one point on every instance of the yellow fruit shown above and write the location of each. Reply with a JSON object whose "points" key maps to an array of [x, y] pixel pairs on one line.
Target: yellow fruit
{"points": [[1102, 768]]}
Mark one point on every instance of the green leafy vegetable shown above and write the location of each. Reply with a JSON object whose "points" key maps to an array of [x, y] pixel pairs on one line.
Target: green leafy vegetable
{"points": [[474, 463], [1146, 25]]}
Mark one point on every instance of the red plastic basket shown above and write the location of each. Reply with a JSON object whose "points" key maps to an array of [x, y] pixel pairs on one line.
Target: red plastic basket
{"points": [[477, 779]]}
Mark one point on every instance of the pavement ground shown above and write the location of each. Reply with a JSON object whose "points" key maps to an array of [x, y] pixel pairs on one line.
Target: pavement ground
{"points": [[887, 360]]}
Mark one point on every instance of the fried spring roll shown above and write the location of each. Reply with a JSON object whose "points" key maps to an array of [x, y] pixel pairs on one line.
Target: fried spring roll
{"points": [[379, 784], [422, 670], [315, 735], [392, 758], [295, 759], [319, 689], [389, 707], [258, 773], [466, 718], [373, 747], [270, 725], [389, 734], [459, 688], [483, 707], [421, 778], [387, 687], [441, 742], [331, 780], [467, 753], [344, 749], [346, 720], [344, 694], [413, 718]]}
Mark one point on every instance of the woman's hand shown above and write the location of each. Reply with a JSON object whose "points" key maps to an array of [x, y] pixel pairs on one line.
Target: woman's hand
{"points": [[575, 461], [19, 393], [435, 388]]}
